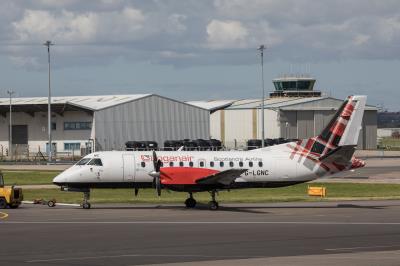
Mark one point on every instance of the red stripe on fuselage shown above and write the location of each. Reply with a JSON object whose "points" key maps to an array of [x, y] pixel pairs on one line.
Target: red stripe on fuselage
{"points": [[183, 175]]}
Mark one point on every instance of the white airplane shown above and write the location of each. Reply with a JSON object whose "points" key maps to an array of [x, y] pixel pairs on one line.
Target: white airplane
{"points": [[195, 171]]}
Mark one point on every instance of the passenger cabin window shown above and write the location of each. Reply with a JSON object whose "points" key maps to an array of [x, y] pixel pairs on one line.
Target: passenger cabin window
{"points": [[221, 164], [96, 162], [231, 164], [241, 164], [143, 164], [212, 164], [191, 164], [250, 164], [171, 164], [83, 161], [201, 164], [260, 164], [181, 164]]}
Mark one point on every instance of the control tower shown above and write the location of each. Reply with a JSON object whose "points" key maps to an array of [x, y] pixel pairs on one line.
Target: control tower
{"points": [[294, 86]]}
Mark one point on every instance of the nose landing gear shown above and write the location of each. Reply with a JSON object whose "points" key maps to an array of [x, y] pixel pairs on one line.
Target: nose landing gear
{"points": [[86, 198]]}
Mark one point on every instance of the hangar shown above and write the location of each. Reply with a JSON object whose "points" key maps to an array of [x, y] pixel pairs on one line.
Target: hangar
{"points": [[293, 111], [296, 118], [81, 124]]}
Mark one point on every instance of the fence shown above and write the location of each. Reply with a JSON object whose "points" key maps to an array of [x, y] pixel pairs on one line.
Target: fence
{"points": [[22, 152]]}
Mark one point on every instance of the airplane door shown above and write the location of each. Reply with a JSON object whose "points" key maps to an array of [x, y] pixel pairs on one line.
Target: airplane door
{"points": [[129, 167]]}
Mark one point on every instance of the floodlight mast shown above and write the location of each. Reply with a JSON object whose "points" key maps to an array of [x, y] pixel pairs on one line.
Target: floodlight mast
{"points": [[10, 93], [261, 48], [48, 44]]}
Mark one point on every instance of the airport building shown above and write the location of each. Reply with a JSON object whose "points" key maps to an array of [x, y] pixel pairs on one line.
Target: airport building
{"points": [[81, 124], [294, 110]]}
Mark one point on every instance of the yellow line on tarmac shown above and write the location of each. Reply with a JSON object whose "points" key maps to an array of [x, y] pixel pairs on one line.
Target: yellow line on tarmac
{"points": [[3, 215]]}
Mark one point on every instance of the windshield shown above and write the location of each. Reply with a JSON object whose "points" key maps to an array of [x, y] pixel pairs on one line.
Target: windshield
{"points": [[83, 161], [96, 162]]}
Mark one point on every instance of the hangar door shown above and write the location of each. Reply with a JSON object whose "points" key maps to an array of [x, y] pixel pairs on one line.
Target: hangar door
{"points": [[305, 124], [19, 134]]}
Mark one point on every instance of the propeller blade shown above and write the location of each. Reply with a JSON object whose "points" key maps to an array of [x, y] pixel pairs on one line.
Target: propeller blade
{"points": [[155, 160], [156, 173], [158, 186]]}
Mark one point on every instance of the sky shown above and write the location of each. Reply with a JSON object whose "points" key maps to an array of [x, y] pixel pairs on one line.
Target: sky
{"points": [[200, 50]]}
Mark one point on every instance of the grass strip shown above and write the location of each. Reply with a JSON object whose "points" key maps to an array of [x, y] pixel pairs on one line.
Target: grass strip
{"points": [[29, 177]]}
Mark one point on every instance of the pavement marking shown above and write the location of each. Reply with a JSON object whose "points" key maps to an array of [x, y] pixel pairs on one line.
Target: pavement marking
{"points": [[366, 247], [200, 222], [3, 215], [134, 255]]}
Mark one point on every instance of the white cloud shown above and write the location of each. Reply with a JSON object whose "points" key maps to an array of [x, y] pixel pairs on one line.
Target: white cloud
{"points": [[293, 30], [361, 39], [74, 28], [175, 24], [226, 34], [26, 62]]}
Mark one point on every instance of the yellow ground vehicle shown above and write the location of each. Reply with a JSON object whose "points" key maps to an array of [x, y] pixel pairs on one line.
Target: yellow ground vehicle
{"points": [[9, 196]]}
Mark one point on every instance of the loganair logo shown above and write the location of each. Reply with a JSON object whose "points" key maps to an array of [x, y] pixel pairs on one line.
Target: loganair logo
{"points": [[167, 158]]}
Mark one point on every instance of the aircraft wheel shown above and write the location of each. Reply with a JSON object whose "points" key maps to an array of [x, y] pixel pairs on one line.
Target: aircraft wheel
{"points": [[213, 205], [51, 203], [190, 203], [86, 205], [3, 203]]}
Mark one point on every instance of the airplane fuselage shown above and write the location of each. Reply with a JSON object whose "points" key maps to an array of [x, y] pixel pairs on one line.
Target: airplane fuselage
{"points": [[119, 169]]}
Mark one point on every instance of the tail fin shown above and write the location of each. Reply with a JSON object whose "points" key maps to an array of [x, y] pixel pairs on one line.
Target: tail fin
{"points": [[345, 126], [342, 130]]}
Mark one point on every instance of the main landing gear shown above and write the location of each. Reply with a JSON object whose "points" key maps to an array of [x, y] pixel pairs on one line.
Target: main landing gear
{"points": [[190, 202], [86, 198], [213, 204]]}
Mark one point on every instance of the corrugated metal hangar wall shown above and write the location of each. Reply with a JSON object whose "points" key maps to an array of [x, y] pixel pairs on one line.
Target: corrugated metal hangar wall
{"points": [[304, 124], [306, 119], [153, 118]]}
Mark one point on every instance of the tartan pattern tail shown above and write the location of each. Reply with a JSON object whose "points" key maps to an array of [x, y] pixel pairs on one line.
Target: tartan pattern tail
{"points": [[331, 135]]}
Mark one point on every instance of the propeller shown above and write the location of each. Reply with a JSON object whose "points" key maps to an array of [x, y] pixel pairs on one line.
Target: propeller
{"points": [[156, 173]]}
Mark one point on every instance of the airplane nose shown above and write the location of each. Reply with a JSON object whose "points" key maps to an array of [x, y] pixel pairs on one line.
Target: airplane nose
{"points": [[59, 180]]}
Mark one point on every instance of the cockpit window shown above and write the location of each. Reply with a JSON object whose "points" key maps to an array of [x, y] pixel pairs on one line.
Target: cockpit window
{"points": [[96, 162], [83, 161]]}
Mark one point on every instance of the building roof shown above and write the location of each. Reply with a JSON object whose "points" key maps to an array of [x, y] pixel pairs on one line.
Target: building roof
{"points": [[287, 103], [212, 105], [92, 103]]}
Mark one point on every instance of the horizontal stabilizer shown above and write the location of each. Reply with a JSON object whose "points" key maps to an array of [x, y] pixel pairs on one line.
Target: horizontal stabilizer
{"points": [[340, 155], [225, 177]]}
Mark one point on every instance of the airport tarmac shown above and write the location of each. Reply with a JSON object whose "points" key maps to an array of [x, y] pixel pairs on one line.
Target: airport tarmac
{"points": [[317, 233]]}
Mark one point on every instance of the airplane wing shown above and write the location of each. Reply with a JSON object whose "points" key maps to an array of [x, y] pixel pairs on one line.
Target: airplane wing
{"points": [[225, 177]]}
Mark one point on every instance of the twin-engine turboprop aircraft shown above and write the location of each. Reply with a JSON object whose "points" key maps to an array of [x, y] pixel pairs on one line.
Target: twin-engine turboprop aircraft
{"points": [[194, 171]]}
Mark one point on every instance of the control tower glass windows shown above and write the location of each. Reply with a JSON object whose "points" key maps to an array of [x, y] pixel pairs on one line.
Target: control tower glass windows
{"points": [[278, 86], [304, 85], [294, 85]]}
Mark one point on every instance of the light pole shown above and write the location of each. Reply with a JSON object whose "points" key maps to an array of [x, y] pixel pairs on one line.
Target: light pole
{"points": [[261, 49], [48, 44], [10, 92]]}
